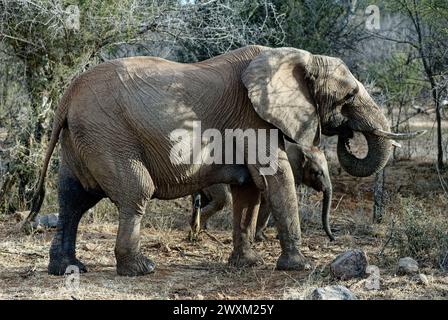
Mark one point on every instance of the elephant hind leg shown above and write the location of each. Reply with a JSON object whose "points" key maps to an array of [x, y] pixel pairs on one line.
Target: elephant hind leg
{"points": [[135, 188], [130, 261], [74, 201]]}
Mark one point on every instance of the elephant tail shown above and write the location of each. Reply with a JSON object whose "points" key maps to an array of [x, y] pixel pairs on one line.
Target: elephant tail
{"points": [[60, 119]]}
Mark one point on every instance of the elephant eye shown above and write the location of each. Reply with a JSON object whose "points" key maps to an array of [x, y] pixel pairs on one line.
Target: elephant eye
{"points": [[349, 97]]}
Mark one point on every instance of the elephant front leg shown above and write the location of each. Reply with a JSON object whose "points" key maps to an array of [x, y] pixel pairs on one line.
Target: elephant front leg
{"points": [[282, 200], [246, 202]]}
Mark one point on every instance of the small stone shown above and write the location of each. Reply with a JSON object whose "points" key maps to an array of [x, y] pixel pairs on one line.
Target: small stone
{"points": [[407, 266], [46, 221], [423, 279], [336, 292], [88, 247], [350, 264]]}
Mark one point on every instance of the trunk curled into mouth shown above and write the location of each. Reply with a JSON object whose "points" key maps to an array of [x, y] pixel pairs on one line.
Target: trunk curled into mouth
{"points": [[379, 149]]}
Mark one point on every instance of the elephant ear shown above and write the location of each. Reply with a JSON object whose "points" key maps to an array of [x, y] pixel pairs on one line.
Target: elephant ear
{"points": [[277, 81]]}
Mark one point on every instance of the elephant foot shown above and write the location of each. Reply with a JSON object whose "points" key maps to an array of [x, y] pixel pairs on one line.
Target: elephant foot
{"points": [[260, 236], [293, 261], [246, 258], [138, 265], [60, 266]]}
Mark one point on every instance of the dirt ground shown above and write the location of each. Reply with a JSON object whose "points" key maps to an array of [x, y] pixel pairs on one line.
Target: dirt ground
{"points": [[199, 270]]}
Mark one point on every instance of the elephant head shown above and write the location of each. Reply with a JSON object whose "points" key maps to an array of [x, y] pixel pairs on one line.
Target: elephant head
{"points": [[301, 93]]}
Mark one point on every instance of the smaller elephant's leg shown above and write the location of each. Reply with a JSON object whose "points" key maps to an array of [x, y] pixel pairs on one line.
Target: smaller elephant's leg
{"points": [[263, 219], [205, 204], [246, 202], [218, 197], [74, 201], [195, 222]]}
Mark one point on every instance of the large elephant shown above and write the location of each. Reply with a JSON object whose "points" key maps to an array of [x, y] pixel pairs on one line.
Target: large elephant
{"points": [[116, 122], [309, 167]]}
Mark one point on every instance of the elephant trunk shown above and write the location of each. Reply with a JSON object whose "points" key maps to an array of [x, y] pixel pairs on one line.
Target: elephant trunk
{"points": [[379, 149], [370, 121], [379, 145], [326, 207], [366, 117]]}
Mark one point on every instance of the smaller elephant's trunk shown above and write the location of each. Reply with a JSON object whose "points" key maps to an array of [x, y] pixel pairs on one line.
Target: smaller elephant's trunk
{"points": [[326, 207]]}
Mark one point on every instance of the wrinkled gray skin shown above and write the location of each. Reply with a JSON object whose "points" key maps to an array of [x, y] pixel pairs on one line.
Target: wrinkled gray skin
{"points": [[115, 123], [309, 166]]}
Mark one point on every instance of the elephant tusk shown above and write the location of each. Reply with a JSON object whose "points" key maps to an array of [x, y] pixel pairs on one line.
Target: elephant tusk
{"points": [[398, 136], [396, 144]]}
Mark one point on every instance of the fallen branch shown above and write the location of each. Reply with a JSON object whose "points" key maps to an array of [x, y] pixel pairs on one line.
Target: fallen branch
{"points": [[23, 253], [213, 237]]}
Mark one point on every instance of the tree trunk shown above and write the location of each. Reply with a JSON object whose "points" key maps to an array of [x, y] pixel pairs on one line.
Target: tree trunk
{"points": [[439, 130], [378, 196]]}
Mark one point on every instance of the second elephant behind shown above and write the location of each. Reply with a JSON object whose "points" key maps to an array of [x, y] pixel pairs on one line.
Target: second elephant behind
{"points": [[309, 167]]}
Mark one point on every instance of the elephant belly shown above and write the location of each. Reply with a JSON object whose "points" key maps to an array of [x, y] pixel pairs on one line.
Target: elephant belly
{"points": [[205, 176]]}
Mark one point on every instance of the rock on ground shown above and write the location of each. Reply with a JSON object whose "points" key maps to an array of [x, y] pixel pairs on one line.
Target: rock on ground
{"points": [[350, 264], [336, 292], [423, 279], [407, 266], [46, 221]]}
